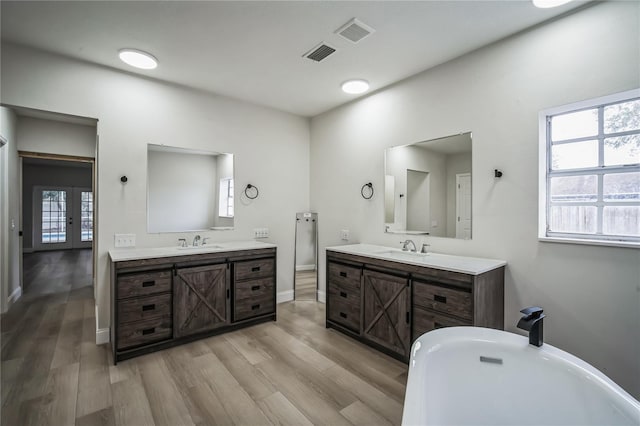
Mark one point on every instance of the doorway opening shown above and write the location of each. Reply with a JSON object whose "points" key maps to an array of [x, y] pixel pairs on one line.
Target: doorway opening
{"points": [[58, 226], [305, 274]]}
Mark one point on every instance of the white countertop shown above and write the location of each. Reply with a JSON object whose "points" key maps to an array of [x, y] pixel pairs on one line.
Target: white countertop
{"points": [[122, 254], [447, 262]]}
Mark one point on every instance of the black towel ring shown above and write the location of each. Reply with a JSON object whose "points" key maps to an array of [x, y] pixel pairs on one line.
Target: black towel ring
{"points": [[362, 191], [247, 190]]}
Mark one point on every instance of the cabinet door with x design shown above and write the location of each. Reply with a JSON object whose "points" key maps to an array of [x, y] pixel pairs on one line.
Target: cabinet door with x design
{"points": [[200, 299], [387, 305]]}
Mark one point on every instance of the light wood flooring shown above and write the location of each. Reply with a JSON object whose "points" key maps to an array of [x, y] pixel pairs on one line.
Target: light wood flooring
{"points": [[293, 371], [305, 285]]}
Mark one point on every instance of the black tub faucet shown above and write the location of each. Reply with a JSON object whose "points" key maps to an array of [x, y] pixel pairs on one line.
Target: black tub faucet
{"points": [[532, 322]]}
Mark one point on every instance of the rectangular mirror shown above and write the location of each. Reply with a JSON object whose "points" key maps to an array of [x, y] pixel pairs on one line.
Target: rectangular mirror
{"points": [[188, 190], [428, 187]]}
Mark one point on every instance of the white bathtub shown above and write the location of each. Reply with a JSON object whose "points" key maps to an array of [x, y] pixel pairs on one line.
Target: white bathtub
{"points": [[514, 384]]}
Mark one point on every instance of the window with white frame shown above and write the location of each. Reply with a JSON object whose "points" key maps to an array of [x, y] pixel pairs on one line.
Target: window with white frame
{"points": [[225, 201], [590, 171]]}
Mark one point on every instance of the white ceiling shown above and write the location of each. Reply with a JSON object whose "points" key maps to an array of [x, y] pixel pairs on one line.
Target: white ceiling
{"points": [[253, 50]]}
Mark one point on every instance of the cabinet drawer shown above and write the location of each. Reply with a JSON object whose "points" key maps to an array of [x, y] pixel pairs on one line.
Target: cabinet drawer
{"points": [[252, 269], [142, 308], [345, 293], [257, 305], [143, 284], [341, 312], [442, 299], [424, 321], [143, 332], [254, 288], [346, 276]]}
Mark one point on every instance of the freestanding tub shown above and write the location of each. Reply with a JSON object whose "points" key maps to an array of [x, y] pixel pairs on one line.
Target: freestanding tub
{"points": [[481, 376]]}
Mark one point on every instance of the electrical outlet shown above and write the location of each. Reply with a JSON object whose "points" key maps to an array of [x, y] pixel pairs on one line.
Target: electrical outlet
{"points": [[125, 240], [344, 235], [261, 233]]}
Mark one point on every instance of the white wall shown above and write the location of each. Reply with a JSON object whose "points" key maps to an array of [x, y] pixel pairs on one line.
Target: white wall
{"points": [[591, 294], [10, 258], [133, 112], [55, 137]]}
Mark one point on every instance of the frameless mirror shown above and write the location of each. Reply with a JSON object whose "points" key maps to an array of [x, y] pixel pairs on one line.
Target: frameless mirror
{"points": [[188, 190], [428, 187]]}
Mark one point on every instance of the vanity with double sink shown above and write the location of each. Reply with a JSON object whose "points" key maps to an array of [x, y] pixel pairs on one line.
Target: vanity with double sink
{"points": [[162, 297], [387, 297]]}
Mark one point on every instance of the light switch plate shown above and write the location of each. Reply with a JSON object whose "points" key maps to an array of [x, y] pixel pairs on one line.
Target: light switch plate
{"points": [[344, 235], [125, 240]]}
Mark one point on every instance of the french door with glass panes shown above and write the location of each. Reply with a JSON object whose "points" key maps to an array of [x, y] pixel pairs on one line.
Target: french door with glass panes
{"points": [[63, 218]]}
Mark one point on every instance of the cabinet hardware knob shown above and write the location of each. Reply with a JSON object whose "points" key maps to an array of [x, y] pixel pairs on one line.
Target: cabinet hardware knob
{"points": [[148, 331], [149, 307], [439, 298], [343, 315], [255, 269], [343, 274], [255, 287], [343, 294], [148, 283], [254, 307]]}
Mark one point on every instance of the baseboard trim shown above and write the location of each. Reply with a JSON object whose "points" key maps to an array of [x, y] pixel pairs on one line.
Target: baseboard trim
{"points": [[322, 297], [103, 335], [284, 296], [305, 267], [27, 249], [13, 297]]}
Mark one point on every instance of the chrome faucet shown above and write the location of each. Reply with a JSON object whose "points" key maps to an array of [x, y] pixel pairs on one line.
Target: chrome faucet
{"points": [[424, 248], [406, 243], [196, 241], [204, 240], [182, 242], [532, 322]]}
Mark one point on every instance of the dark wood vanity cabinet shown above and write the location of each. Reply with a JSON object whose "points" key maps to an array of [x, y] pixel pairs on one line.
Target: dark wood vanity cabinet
{"points": [[200, 299], [388, 304], [387, 311], [162, 302], [254, 288]]}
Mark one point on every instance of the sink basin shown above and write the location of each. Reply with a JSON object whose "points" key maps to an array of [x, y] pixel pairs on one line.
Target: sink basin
{"points": [[202, 247], [403, 254]]}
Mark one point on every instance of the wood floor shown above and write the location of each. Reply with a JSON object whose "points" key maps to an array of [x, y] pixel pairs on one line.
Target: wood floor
{"points": [[305, 285], [293, 371]]}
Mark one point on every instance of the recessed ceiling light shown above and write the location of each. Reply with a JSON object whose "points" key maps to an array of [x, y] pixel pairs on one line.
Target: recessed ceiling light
{"points": [[546, 4], [138, 58], [355, 87]]}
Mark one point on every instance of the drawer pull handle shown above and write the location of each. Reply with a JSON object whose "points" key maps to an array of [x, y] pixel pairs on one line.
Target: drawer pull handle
{"points": [[255, 269], [149, 307], [148, 283], [439, 298], [343, 274], [343, 294], [255, 287], [343, 315], [254, 307], [148, 331]]}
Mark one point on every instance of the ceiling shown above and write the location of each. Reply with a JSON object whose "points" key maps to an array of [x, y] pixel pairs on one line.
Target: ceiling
{"points": [[254, 50]]}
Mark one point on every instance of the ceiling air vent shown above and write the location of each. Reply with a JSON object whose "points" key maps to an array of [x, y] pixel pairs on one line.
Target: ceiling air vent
{"points": [[319, 52], [354, 30]]}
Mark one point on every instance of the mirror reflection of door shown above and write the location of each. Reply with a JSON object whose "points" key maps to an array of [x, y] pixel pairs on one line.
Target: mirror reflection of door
{"points": [[418, 210], [63, 218], [463, 205], [306, 257]]}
